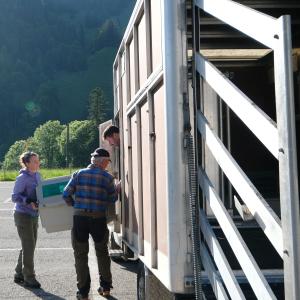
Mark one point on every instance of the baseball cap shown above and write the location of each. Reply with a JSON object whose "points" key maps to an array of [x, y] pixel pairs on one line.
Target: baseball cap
{"points": [[100, 152]]}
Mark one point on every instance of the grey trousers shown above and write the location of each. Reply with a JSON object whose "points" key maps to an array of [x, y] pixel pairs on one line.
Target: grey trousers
{"points": [[27, 229]]}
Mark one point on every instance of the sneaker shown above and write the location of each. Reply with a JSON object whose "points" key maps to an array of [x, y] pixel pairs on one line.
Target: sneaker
{"points": [[81, 297], [32, 283], [19, 278], [105, 292]]}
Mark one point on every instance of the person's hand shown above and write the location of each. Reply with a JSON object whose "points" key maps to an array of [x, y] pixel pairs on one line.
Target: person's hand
{"points": [[34, 205], [30, 200], [118, 187], [69, 201]]}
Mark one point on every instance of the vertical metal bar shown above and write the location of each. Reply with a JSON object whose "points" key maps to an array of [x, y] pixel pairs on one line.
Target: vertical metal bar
{"points": [[202, 145], [121, 126], [123, 119], [136, 59], [147, 13], [222, 139], [197, 47], [128, 75], [140, 183], [197, 85], [196, 28], [152, 182], [196, 42], [288, 176], [115, 87], [230, 200], [193, 163], [130, 183]]}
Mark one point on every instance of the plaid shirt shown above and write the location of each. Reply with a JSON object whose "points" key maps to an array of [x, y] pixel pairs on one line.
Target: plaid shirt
{"points": [[93, 188]]}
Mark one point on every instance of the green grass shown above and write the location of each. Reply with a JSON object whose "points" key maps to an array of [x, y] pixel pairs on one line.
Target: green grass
{"points": [[46, 173]]}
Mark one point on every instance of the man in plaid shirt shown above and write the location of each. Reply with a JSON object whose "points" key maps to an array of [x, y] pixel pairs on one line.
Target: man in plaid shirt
{"points": [[93, 190]]}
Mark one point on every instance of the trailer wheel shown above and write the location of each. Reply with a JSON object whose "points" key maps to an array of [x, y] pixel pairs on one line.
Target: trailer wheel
{"points": [[149, 287], [141, 282]]}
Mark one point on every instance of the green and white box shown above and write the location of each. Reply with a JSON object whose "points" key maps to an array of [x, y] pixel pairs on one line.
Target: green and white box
{"points": [[55, 214]]}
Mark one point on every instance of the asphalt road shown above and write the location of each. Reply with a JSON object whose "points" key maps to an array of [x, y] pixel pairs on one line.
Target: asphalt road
{"points": [[54, 263]]}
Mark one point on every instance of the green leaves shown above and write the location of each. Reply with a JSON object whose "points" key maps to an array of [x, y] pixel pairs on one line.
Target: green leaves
{"points": [[11, 160], [46, 139], [83, 139], [50, 141]]}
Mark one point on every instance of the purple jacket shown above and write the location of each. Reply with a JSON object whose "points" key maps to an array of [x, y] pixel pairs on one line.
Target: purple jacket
{"points": [[25, 185]]}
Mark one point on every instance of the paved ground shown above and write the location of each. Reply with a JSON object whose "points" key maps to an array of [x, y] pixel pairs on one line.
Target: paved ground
{"points": [[54, 263]]}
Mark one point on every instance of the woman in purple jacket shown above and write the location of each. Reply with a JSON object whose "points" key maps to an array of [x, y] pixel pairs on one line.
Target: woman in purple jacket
{"points": [[26, 217]]}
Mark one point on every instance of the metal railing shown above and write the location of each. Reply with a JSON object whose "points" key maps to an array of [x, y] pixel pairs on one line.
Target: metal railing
{"points": [[278, 138]]}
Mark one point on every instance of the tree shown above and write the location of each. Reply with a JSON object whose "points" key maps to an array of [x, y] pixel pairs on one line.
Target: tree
{"points": [[50, 48], [11, 159], [83, 139], [46, 139], [98, 106]]}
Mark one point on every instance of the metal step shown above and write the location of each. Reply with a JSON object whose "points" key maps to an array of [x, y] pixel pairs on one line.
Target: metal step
{"points": [[278, 289], [265, 256]]}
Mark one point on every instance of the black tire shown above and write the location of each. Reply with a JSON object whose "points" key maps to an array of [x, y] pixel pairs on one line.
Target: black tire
{"points": [[148, 284], [141, 283]]}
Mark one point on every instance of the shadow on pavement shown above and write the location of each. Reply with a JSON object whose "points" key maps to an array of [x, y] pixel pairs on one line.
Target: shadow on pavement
{"points": [[41, 293], [128, 265]]}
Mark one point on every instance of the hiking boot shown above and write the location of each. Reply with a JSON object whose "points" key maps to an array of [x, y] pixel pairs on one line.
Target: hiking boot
{"points": [[19, 278], [105, 292], [81, 297], [32, 283]]}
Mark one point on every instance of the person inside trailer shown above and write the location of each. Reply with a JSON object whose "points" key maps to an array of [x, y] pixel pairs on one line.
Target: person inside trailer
{"points": [[112, 135]]}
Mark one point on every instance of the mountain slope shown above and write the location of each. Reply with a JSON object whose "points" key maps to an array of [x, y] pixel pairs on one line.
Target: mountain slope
{"points": [[52, 54]]}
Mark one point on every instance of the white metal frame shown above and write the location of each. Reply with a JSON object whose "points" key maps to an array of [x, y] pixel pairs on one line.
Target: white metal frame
{"points": [[172, 268], [278, 138], [220, 259], [258, 207], [240, 104]]}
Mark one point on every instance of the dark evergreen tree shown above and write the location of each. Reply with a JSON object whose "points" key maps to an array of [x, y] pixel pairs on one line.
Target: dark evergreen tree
{"points": [[98, 106]]}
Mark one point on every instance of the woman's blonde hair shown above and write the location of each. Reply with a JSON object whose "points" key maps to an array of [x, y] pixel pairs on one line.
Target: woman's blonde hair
{"points": [[25, 158]]}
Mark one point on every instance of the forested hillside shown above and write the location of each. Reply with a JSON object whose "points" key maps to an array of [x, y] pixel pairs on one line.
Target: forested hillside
{"points": [[52, 54]]}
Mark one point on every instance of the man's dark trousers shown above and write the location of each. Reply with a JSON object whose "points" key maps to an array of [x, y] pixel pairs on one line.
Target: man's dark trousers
{"points": [[97, 228]]}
